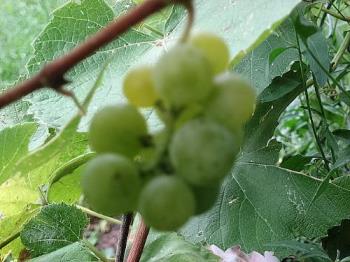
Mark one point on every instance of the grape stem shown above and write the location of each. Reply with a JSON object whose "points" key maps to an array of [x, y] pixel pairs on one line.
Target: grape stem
{"points": [[139, 243], [98, 215], [9, 239], [52, 75], [127, 220], [190, 20]]}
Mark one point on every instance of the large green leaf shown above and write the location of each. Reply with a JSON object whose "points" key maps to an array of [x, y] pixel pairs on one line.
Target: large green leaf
{"points": [[75, 252], [13, 146], [20, 22], [314, 46], [33, 172], [88, 17], [55, 226], [240, 24], [11, 225], [25, 187], [172, 247], [256, 67], [261, 203]]}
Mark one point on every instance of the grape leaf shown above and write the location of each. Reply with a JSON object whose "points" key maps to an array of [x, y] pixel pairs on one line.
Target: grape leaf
{"points": [[317, 45], [304, 251], [14, 145], [67, 189], [172, 247], [337, 241], [26, 186], [88, 16], [255, 66], [11, 225], [29, 18], [261, 203], [241, 23], [56, 226], [34, 171], [342, 158], [75, 252]]}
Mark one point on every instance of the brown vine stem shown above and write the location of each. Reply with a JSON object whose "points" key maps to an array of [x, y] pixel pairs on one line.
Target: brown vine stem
{"points": [[139, 243], [127, 220], [52, 75]]}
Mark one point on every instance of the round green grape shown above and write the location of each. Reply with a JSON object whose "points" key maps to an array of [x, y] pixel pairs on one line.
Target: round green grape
{"points": [[233, 102], [183, 76], [138, 87], [215, 50], [205, 197], [117, 129], [166, 203], [202, 152], [111, 184]]}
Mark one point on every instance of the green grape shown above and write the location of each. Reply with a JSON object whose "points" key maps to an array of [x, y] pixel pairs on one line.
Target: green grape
{"points": [[117, 129], [202, 152], [205, 197], [215, 50], [111, 184], [183, 76], [138, 87], [166, 203], [233, 102]]}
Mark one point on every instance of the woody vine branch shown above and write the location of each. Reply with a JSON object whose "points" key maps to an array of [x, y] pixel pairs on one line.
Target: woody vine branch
{"points": [[53, 74]]}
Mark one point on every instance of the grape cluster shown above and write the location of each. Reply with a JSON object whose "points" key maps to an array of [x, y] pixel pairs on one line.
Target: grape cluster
{"points": [[175, 173]]}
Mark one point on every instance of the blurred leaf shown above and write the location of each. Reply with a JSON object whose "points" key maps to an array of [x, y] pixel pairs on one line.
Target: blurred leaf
{"points": [[33, 172], [76, 252], [67, 189], [338, 240], [55, 226], [343, 134], [330, 138], [296, 162], [343, 158], [345, 97], [13, 224], [67, 179], [20, 22], [303, 250], [173, 248], [342, 181], [14, 145]]}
